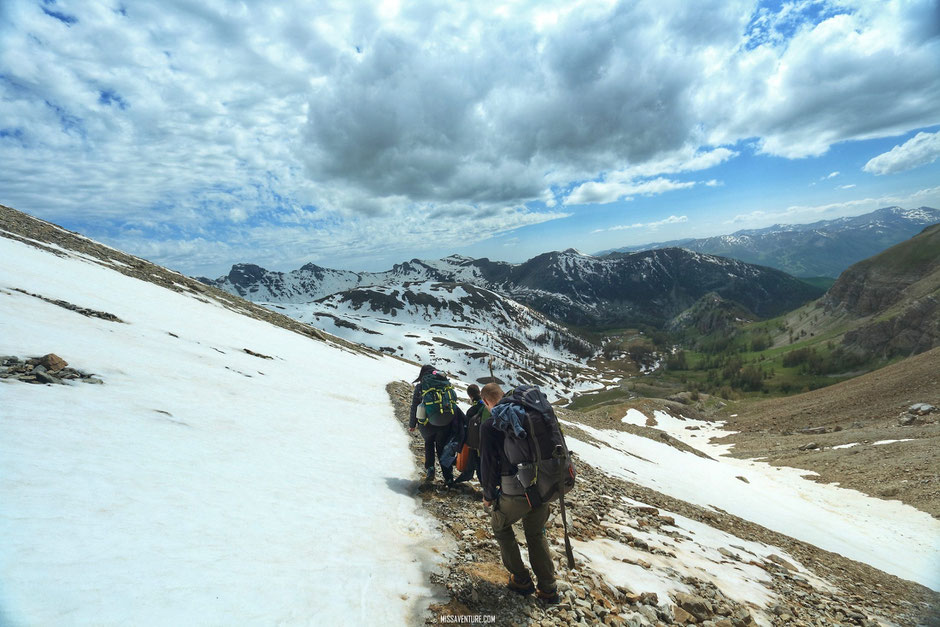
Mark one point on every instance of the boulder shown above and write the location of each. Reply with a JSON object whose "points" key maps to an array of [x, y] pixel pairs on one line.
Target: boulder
{"points": [[682, 617], [44, 377], [52, 362], [649, 598], [908, 420], [694, 605]]}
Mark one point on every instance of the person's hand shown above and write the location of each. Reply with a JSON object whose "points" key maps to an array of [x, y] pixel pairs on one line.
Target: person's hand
{"points": [[411, 429], [487, 504]]}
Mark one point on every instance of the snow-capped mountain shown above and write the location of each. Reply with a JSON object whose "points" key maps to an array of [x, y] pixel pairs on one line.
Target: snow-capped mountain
{"points": [[823, 248], [312, 281], [511, 312], [647, 287], [463, 329], [571, 287]]}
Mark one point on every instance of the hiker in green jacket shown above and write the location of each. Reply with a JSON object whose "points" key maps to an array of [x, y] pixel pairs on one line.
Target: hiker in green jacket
{"points": [[437, 431]]}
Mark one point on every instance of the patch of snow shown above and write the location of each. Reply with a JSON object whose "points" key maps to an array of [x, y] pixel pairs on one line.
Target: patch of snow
{"points": [[888, 535], [693, 549], [199, 484]]}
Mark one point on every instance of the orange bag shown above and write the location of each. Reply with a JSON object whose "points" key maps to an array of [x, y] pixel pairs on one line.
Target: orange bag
{"points": [[463, 459]]}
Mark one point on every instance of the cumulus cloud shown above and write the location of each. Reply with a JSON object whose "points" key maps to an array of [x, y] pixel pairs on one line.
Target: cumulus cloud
{"points": [[633, 181], [352, 122], [603, 192], [920, 150], [858, 70]]}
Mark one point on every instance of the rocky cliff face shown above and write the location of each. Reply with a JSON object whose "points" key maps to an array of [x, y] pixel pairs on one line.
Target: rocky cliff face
{"points": [[898, 294]]}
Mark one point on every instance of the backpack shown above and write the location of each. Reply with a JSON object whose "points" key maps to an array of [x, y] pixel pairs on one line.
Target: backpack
{"points": [[474, 420], [544, 469], [438, 398]]}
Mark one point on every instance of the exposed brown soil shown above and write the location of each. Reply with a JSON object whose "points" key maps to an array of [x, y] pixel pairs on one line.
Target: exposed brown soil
{"points": [[861, 411]]}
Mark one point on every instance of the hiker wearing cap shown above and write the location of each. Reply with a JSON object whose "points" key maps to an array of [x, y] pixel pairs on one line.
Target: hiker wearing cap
{"points": [[496, 471], [435, 413]]}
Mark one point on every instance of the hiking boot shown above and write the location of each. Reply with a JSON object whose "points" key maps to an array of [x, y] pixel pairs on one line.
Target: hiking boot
{"points": [[520, 586], [429, 474], [548, 598]]}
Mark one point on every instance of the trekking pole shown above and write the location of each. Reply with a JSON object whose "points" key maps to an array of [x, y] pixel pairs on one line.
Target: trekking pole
{"points": [[559, 454]]}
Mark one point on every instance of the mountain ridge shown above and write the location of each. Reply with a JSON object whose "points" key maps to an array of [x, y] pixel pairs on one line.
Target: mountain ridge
{"points": [[798, 248], [648, 287]]}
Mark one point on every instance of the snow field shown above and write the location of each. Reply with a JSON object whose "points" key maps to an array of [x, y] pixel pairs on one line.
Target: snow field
{"points": [[888, 535], [198, 484]]}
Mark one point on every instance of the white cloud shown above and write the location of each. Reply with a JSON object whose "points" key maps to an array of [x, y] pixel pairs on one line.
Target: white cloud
{"points": [[601, 192], [647, 225], [849, 186], [179, 122], [865, 70], [831, 175], [919, 150]]}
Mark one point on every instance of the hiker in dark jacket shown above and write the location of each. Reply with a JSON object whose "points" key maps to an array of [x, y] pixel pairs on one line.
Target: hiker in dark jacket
{"points": [[435, 437], [508, 509], [472, 433]]}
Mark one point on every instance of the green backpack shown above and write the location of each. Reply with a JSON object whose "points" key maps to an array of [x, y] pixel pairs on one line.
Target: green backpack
{"points": [[439, 398]]}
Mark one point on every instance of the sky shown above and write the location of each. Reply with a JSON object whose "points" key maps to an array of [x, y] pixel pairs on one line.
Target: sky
{"points": [[357, 135]]}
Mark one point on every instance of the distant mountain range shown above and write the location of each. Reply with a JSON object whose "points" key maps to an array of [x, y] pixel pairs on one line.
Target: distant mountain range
{"points": [[824, 248], [649, 287], [460, 312]]}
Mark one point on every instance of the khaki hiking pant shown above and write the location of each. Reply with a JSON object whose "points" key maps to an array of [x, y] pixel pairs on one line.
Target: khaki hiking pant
{"points": [[509, 510]]}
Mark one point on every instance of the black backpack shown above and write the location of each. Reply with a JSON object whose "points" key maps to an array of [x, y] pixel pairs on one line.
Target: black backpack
{"points": [[474, 420], [544, 469], [439, 399]]}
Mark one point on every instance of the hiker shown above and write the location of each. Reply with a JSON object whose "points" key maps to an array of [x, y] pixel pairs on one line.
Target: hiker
{"points": [[503, 493], [437, 429], [477, 413]]}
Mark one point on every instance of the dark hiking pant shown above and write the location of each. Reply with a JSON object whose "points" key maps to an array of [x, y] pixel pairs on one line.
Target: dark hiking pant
{"points": [[511, 509], [474, 467], [434, 440]]}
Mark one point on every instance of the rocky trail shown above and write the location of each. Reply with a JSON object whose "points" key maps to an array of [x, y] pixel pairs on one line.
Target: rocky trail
{"points": [[805, 585]]}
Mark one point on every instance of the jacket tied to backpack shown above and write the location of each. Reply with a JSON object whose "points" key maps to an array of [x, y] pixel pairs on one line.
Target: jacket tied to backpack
{"points": [[509, 419], [535, 445]]}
